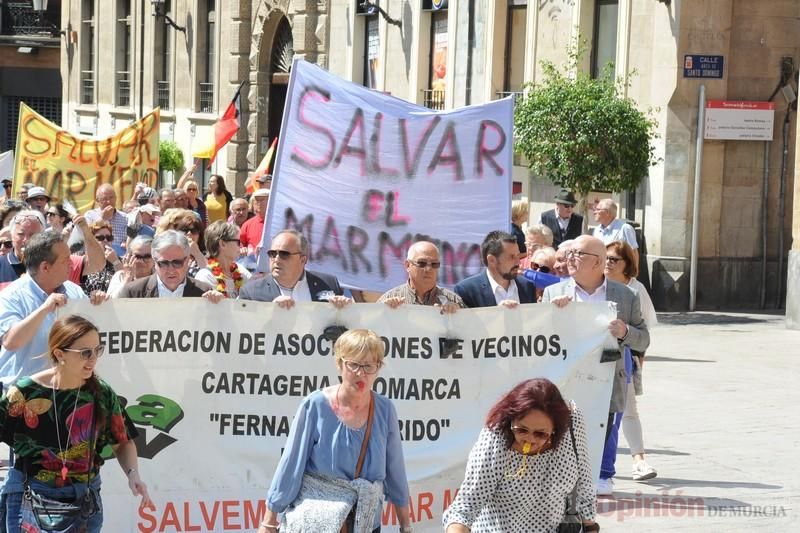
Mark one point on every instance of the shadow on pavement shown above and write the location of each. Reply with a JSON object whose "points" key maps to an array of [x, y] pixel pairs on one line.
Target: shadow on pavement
{"points": [[658, 358], [662, 484], [650, 451], [704, 319]]}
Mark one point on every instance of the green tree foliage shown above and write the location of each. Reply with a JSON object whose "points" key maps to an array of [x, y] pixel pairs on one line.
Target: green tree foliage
{"points": [[170, 156], [582, 133]]}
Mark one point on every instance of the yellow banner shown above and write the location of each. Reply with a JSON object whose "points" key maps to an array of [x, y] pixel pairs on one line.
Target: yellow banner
{"points": [[72, 168]]}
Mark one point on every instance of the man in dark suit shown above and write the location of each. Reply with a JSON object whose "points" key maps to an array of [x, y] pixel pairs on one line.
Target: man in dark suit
{"points": [[500, 283], [562, 220], [170, 251], [288, 281]]}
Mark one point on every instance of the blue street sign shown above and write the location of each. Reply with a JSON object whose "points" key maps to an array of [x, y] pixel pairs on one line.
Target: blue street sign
{"points": [[700, 66]]}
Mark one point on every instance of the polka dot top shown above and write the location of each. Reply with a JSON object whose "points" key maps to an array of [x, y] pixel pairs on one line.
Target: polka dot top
{"points": [[500, 494]]}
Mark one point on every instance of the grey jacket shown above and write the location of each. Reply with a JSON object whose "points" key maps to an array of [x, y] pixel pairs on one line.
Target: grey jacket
{"points": [[629, 311]]}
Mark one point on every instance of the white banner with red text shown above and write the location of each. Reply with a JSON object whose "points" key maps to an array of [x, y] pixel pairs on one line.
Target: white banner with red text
{"points": [[364, 174], [213, 390]]}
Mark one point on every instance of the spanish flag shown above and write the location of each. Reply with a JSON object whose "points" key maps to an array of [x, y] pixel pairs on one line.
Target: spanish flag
{"points": [[262, 169], [211, 139]]}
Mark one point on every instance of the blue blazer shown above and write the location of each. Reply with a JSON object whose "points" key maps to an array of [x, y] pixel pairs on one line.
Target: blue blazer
{"points": [[477, 292], [266, 289]]}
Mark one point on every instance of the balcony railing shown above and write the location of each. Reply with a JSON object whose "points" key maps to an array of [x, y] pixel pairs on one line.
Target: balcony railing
{"points": [[515, 94], [123, 89], [433, 99], [19, 18], [87, 86], [162, 94], [206, 97]]}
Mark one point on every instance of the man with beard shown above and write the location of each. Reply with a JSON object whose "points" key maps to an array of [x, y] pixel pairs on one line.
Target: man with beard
{"points": [[500, 283]]}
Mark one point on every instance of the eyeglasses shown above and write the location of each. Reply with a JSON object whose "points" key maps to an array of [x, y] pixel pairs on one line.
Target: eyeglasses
{"points": [[107, 238], [579, 254], [565, 206], [544, 269], [190, 189], [612, 259], [50, 214], [425, 264], [524, 433], [232, 240], [88, 353], [175, 263], [192, 229], [6, 244], [142, 257], [355, 368], [283, 254]]}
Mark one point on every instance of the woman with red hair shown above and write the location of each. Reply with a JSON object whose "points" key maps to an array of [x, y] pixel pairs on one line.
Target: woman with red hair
{"points": [[530, 457]]}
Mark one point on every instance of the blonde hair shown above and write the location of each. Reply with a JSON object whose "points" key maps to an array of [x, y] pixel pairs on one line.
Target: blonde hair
{"points": [[540, 230], [520, 209], [358, 344]]}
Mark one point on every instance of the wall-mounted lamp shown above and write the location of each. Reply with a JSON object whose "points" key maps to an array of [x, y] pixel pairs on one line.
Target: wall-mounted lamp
{"points": [[40, 7], [370, 7], [160, 10]]}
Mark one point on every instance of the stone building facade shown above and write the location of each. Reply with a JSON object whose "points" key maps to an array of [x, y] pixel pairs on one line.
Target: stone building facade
{"points": [[448, 54], [128, 61]]}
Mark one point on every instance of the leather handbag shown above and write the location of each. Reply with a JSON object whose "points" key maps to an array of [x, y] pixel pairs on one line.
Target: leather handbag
{"points": [[349, 524]]}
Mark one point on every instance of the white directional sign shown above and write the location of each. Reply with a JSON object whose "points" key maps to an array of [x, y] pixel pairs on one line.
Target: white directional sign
{"points": [[739, 121]]}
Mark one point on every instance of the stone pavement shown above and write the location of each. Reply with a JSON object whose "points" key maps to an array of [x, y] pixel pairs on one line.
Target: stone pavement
{"points": [[720, 425]]}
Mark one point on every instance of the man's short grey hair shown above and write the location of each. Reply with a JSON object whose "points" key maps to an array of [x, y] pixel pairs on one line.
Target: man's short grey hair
{"points": [[609, 205], [168, 238], [412, 250], [141, 240], [300, 237], [26, 214], [565, 244], [218, 232], [41, 248]]}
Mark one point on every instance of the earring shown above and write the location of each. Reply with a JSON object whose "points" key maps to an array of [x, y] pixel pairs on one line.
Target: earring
{"points": [[61, 362]]}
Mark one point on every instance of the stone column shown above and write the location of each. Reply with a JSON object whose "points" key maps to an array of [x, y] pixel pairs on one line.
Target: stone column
{"points": [[793, 269]]}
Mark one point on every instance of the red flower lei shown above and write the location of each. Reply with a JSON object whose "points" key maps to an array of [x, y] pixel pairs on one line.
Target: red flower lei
{"points": [[216, 271]]}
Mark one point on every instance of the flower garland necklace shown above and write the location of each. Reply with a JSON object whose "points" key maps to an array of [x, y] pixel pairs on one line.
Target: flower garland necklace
{"points": [[219, 275]]}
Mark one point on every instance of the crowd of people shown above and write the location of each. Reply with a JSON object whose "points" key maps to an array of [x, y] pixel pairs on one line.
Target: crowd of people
{"points": [[529, 461]]}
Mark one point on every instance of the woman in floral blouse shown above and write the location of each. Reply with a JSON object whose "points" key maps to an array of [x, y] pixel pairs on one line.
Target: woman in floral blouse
{"points": [[57, 422], [222, 272]]}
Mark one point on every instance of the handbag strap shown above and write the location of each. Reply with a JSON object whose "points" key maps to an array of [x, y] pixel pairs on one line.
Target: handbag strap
{"points": [[572, 504], [363, 453]]}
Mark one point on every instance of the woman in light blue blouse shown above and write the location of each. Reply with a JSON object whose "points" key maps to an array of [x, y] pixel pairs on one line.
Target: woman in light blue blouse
{"points": [[314, 487]]}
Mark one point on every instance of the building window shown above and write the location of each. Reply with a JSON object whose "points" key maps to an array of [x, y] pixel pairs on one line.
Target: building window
{"points": [[87, 52], [604, 48], [514, 75], [163, 61], [437, 84], [372, 45], [208, 25], [123, 48]]}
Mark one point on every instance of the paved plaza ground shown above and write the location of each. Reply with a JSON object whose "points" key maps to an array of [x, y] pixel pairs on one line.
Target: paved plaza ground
{"points": [[721, 426]]}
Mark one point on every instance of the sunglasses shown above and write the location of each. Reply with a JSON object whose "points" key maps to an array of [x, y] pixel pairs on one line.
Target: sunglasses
{"points": [[544, 269], [6, 244], [142, 257], [355, 368], [283, 254], [107, 238], [237, 241], [191, 189], [612, 259], [425, 264], [6, 185], [175, 263], [88, 353], [523, 432], [189, 230], [50, 214]]}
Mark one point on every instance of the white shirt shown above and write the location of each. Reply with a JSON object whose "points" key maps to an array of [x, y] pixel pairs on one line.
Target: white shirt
{"points": [[562, 223], [617, 230], [164, 292], [599, 295], [500, 293], [299, 293]]}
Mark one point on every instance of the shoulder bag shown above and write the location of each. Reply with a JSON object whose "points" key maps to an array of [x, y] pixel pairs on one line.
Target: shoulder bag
{"points": [[572, 521], [349, 523]]}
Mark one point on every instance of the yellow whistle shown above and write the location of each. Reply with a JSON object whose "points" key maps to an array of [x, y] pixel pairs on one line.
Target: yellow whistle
{"points": [[526, 448]]}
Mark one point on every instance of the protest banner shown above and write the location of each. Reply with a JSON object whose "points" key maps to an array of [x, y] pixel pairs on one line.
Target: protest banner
{"points": [[363, 175], [213, 390], [71, 168]]}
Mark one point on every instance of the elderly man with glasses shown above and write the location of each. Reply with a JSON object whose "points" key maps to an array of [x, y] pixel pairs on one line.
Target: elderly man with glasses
{"points": [[170, 251], [288, 280], [106, 201], [586, 261], [422, 264], [563, 221]]}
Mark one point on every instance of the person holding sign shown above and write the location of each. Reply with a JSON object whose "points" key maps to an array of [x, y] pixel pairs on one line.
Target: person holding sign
{"points": [[529, 464], [422, 265], [58, 421], [343, 453]]}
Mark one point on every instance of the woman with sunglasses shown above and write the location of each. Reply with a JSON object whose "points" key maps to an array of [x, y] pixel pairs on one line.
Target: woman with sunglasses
{"points": [[195, 203], [621, 266], [222, 271], [99, 281], [57, 422], [188, 223], [524, 466], [57, 217], [339, 434]]}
